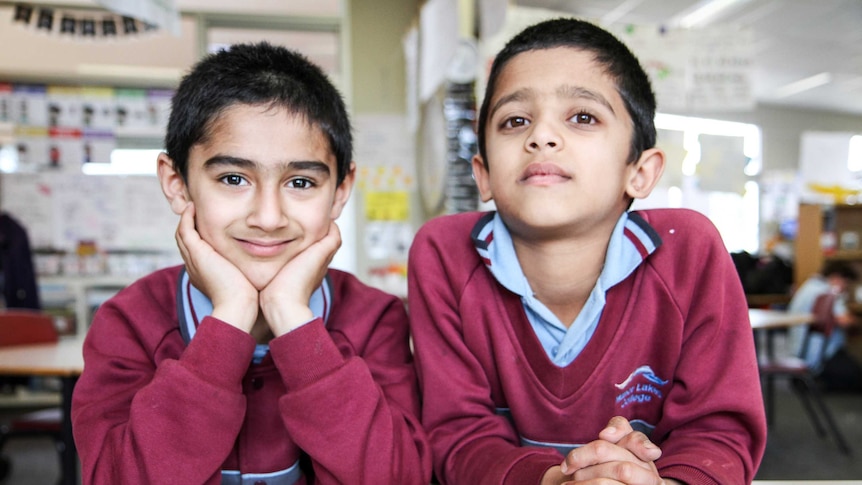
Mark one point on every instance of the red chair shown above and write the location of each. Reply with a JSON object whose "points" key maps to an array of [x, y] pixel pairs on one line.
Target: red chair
{"points": [[801, 374], [24, 327]]}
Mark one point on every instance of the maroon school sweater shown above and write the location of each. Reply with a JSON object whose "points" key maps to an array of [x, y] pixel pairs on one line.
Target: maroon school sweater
{"points": [[673, 353], [149, 409]]}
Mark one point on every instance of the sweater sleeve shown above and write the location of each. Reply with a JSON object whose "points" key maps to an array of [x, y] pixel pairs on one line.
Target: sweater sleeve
{"points": [[138, 423], [713, 428], [472, 443], [354, 410]]}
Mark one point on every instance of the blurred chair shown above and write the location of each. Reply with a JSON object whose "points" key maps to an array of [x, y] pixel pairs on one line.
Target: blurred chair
{"points": [[24, 327], [801, 375]]}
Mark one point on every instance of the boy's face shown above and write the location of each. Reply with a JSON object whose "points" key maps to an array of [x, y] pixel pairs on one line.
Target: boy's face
{"points": [[264, 187], [558, 137]]}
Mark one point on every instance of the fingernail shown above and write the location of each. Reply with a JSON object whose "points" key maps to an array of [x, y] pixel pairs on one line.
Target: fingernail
{"points": [[564, 468]]}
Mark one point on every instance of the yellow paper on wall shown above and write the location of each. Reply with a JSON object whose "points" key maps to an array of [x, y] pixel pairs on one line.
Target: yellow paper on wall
{"points": [[386, 206]]}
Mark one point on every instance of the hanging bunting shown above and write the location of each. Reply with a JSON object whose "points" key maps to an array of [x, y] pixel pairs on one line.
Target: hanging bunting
{"points": [[68, 25], [109, 27], [89, 24], [46, 19], [161, 13], [23, 13]]}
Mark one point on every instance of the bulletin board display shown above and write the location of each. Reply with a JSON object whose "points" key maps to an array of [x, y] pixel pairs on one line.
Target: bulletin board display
{"points": [[118, 213]]}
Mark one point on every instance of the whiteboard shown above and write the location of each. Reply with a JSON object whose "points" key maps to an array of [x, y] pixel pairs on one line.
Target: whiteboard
{"points": [[116, 212]]}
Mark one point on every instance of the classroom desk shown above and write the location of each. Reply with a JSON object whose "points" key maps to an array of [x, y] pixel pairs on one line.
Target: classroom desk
{"points": [[767, 321], [772, 319], [64, 360]]}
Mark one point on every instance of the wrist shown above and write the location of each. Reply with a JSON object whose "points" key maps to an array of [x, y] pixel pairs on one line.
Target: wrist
{"points": [[554, 476], [285, 318], [239, 315]]}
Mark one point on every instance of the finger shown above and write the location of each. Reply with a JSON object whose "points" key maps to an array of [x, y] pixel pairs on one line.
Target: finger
{"points": [[626, 472], [322, 251], [186, 228], [598, 452], [620, 432], [640, 446], [186, 217], [332, 240], [616, 428]]}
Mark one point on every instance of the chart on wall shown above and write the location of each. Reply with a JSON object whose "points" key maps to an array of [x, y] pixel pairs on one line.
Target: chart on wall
{"points": [[117, 213]]}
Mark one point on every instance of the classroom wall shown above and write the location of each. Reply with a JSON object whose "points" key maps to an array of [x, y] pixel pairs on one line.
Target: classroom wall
{"points": [[373, 34], [782, 130], [376, 28]]}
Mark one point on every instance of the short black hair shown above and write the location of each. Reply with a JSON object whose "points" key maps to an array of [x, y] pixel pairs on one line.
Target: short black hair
{"points": [[632, 81], [259, 74], [840, 269]]}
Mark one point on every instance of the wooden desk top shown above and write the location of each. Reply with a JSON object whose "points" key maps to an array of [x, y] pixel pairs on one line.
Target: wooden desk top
{"points": [[765, 300], [766, 319], [62, 359]]}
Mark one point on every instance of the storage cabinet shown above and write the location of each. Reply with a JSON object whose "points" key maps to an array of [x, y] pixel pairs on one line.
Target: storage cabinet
{"points": [[73, 299], [827, 233]]}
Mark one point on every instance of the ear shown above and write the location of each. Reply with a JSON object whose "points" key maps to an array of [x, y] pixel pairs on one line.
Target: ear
{"points": [[342, 192], [482, 177], [645, 173], [173, 185]]}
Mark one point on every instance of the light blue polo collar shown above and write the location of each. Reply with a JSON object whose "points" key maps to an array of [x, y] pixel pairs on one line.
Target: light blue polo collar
{"points": [[193, 306], [632, 241]]}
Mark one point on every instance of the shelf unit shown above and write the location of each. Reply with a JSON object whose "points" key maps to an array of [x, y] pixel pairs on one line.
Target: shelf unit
{"points": [[79, 296], [827, 233]]}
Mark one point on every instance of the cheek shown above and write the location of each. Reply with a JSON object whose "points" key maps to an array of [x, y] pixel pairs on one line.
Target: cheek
{"points": [[210, 223]]}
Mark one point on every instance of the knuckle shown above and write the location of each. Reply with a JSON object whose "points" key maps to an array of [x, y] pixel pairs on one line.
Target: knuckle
{"points": [[603, 449], [625, 471]]}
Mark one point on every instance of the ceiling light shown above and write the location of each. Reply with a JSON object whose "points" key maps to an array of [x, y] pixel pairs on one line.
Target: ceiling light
{"points": [[803, 85], [620, 11], [705, 12]]}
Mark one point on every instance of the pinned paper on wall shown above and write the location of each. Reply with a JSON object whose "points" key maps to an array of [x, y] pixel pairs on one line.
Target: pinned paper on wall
{"points": [[385, 153], [703, 69], [387, 206], [61, 209]]}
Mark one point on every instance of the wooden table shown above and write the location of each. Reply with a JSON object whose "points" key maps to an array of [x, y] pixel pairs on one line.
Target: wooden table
{"points": [[772, 319], [64, 360], [769, 320]]}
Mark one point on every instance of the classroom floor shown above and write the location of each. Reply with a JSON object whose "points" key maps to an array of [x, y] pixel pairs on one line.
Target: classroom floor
{"points": [[793, 450]]}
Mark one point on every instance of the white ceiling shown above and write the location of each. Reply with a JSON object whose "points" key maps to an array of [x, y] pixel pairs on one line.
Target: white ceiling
{"points": [[793, 40]]}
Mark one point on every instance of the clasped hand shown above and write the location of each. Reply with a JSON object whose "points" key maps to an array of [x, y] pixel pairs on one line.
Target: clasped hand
{"points": [[620, 455], [236, 301]]}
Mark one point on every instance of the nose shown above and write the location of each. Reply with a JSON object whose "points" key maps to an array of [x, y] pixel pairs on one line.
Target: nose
{"points": [[268, 211], [543, 135]]}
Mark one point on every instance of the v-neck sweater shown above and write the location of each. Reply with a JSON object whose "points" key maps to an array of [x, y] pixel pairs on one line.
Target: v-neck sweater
{"points": [[673, 353], [340, 400]]}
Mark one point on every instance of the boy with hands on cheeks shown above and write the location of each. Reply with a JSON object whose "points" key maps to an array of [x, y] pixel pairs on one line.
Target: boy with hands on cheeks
{"points": [[563, 338], [252, 362]]}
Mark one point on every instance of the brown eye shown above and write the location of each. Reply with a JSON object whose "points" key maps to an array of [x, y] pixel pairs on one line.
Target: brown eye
{"points": [[515, 122], [584, 119], [233, 179], [300, 183]]}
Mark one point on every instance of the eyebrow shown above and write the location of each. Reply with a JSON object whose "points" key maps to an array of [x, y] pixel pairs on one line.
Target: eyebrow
{"points": [[578, 92], [239, 162], [567, 91]]}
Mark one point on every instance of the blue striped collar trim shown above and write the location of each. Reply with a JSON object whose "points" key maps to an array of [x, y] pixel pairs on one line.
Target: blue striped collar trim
{"points": [[631, 242], [193, 306]]}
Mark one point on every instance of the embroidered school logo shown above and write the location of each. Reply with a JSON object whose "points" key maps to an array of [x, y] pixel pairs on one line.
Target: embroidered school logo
{"points": [[641, 386]]}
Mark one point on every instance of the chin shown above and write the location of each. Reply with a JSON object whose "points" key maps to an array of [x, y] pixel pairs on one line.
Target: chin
{"points": [[259, 277]]}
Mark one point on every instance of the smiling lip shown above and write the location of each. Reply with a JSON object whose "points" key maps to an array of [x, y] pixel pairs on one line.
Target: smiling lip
{"points": [[263, 248], [544, 174]]}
